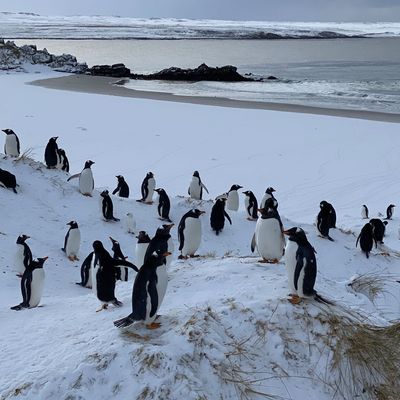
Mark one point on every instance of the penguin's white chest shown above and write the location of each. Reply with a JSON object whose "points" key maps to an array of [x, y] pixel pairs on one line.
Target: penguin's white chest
{"points": [[192, 236], [247, 204], [162, 283], [232, 203], [195, 188], [171, 249], [86, 182], [151, 185], [130, 224], [290, 264], [140, 252], [363, 213], [37, 286], [11, 146], [93, 276], [19, 259], [269, 239], [73, 242]]}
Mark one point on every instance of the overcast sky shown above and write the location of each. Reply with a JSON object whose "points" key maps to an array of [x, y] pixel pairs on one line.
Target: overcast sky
{"points": [[268, 10]]}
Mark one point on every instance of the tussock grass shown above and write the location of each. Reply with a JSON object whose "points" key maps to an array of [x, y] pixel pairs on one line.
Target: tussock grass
{"points": [[371, 284]]}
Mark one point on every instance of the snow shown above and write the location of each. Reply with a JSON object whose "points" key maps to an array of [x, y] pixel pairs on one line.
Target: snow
{"points": [[19, 25], [225, 317]]}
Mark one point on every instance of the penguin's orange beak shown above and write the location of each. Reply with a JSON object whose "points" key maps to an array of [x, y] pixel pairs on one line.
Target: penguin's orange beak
{"points": [[202, 212], [45, 258], [169, 227], [111, 239], [286, 233], [166, 254]]}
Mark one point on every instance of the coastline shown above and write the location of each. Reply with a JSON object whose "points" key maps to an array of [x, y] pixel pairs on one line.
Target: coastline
{"points": [[104, 86]]}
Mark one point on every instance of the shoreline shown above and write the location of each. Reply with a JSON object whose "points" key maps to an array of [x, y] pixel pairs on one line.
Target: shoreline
{"points": [[104, 86]]}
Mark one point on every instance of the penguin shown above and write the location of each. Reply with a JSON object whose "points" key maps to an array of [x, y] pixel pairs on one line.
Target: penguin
{"points": [[121, 274], [189, 233], [301, 267], [23, 255], [269, 195], [122, 189], [32, 283], [324, 220], [86, 271], [130, 223], [379, 228], [105, 275], [268, 237], [331, 214], [218, 215], [366, 239], [147, 189], [8, 180], [232, 202], [164, 205], [146, 299], [162, 240], [11, 146], [63, 162], [364, 212], [72, 241], [51, 153], [107, 207], [141, 247], [251, 205], [86, 181], [390, 211], [196, 187]]}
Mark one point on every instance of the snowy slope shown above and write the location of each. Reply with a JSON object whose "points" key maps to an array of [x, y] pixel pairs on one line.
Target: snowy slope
{"points": [[227, 328]]}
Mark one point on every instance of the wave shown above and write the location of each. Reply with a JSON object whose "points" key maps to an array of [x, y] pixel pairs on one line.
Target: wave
{"points": [[26, 25]]}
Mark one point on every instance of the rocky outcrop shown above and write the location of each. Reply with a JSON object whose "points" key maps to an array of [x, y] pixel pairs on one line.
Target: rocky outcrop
{"points": [[115, 70], [13, 57]]}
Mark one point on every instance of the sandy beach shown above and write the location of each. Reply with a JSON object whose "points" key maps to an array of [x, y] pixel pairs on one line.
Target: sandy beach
{"points": [[105, 86]]}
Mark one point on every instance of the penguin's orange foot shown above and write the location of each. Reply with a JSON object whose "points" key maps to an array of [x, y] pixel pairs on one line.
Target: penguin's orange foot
{"points": [[274, 261], [153, 325], [103, 307], [263, 260], [148, 202], [71, 258], [295, 299]]}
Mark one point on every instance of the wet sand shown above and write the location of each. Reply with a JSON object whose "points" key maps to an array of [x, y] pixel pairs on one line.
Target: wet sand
{"points": [[106, 86]]}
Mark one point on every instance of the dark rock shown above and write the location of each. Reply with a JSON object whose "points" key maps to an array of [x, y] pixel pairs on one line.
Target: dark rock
{"points": [[115, 71]]}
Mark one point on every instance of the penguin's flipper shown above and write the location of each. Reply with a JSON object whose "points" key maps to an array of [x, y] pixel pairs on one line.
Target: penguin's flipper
{"points": [[297, 270], [26, 288], [152, 290], [204, 187], [74, 177], [228, 217], [124, 263], [253, 243]]}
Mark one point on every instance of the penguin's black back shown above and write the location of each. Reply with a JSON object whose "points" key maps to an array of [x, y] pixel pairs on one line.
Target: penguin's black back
{"points": [[51, 153], [378, 229], [8, 179], [324, 221], [164, 205], [305, 257], [366, 239]]}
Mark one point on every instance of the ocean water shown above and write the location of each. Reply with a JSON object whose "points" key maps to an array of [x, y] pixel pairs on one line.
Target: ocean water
{"points": [[356, 73]]}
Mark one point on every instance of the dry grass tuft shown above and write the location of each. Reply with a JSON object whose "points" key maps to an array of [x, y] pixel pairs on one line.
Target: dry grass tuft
{"points": [[371, 284], [27, 155]]}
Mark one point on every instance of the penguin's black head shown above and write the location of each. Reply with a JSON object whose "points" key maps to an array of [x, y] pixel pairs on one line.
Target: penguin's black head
{"points": [[157, 257], [113, 241], [223, 196], [149, 175], [270, 190], [104, 193], [41, 261], [21, 239], [73, 224], [323, 204], [235, 187], [296, 234], [167, 227], [98, 246], [120, 178], [143, 237], [248, 192], [364, 206], [88, 163], [196, 173], [53, 139], [160, 190], [392, 205], [61, 151], [198, 212], [8, 131]]}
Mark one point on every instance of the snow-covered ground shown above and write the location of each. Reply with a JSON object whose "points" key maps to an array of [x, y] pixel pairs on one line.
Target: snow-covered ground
{"points": [[227, 329]]}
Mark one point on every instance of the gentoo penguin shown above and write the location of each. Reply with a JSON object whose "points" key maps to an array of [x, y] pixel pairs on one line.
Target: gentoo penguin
{"points": [[378, 230], [146, 298], [8, 180], [63, 162], [324, 220], [122, 189], [366, 239], [162, 240], [86, 271], [147, 188], [164, 205], [130, 223], [251, 205], [218, 215], [390, 211], [196, 187], [51, 153], [86, 181], [72, 241], [141, 247], [189, 233], [121, 274], [11, 146], [107, 207], [232, 202], [269, 195], [105, 275], [364, 212], [268, 237], [32, 283], [301, 267], [332, 213], [23, 255]]}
